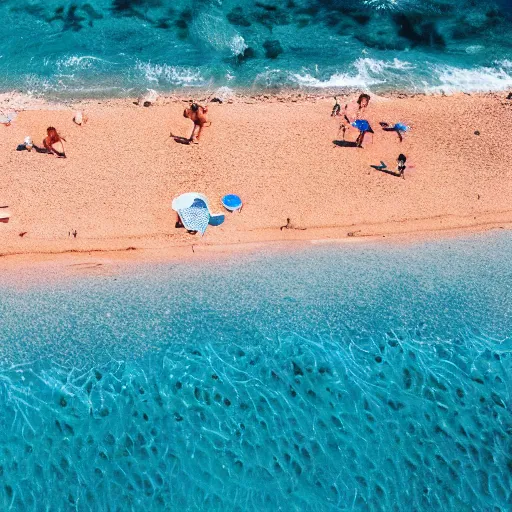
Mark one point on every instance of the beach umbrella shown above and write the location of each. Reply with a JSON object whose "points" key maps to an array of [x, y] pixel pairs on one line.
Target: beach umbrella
{"points": [[362, 125]]}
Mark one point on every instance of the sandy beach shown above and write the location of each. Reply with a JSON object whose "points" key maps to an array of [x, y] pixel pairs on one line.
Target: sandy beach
{"points": [[279, 154]]}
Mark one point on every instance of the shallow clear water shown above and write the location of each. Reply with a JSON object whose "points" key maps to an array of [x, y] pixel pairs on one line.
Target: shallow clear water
{"points": [[120, 47], [334, 378]]}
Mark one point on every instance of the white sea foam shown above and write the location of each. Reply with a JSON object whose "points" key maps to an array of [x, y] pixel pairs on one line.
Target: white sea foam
{"points": [[474, 48], [217, 33], [367, 72], [81, 62], [237, 45], [382, 5], [174, 75], [480, 79]]}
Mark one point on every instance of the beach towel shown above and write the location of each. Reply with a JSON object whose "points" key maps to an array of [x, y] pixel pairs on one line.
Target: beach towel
{"points": [[196, 216]]}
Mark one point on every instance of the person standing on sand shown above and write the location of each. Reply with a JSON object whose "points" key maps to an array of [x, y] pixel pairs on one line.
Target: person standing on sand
{"points": [[400, 166], [353, 112], [197, 114]]}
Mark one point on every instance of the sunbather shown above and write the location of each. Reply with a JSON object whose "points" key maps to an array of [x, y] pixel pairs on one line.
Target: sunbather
{"points": [[53, 143]]}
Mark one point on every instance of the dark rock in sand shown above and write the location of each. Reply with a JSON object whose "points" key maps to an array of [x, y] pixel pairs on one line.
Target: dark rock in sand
{"points": [[272, 48]]}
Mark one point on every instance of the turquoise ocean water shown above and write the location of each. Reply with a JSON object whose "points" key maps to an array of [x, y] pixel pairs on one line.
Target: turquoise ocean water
{"points": [[359, 378], [89, 48]]}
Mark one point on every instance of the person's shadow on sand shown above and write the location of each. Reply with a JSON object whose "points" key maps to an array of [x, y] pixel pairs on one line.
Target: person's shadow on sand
{"points": [[383, 168], [345, 143], [181, 140]]}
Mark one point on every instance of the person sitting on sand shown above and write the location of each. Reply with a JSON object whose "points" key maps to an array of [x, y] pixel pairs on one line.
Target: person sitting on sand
{"points": [[53, 142], [80, 118], [354, 111], [197, 114]]}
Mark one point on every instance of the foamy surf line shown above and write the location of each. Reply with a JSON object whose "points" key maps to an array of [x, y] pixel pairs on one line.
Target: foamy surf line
{"points": [[87, 76], [402, 76]]}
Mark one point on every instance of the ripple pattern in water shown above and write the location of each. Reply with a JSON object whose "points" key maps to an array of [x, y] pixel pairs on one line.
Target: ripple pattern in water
{"points": [[373, 407], [116, 48]]}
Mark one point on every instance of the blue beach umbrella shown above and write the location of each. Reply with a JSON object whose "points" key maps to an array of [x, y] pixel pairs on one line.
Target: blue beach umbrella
{"points": [[362, 125], [232, 202]]}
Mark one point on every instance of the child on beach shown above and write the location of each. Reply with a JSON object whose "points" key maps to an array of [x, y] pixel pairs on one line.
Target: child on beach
{"points": [[197, 114], [336, 110], [400, 167]]}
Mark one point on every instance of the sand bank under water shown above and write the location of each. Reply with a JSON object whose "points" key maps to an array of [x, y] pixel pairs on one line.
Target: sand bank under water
{"points": [[281, 154]]}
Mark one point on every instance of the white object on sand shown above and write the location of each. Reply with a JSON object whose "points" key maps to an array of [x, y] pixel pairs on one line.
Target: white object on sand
{"points": [[195, 213], [147, 98], [79, 117], [7, 118], [28, 142], [5, 214]]}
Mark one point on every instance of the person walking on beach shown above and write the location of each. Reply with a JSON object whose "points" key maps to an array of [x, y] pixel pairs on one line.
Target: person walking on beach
{"points": [[197, 114], [353, 112]]}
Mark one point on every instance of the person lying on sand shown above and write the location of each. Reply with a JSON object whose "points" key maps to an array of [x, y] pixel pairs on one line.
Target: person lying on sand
{"points": [[53, 143], [354, 111], [399, 128], [197, 114]]}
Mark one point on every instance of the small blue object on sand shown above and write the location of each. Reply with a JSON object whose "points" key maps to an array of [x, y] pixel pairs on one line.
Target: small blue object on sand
{"points": [[401, 127], [362, 125], [232, 202]]}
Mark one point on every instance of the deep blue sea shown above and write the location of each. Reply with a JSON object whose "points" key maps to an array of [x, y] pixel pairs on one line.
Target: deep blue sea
{"points": [[116, 48], [333, 378]]}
